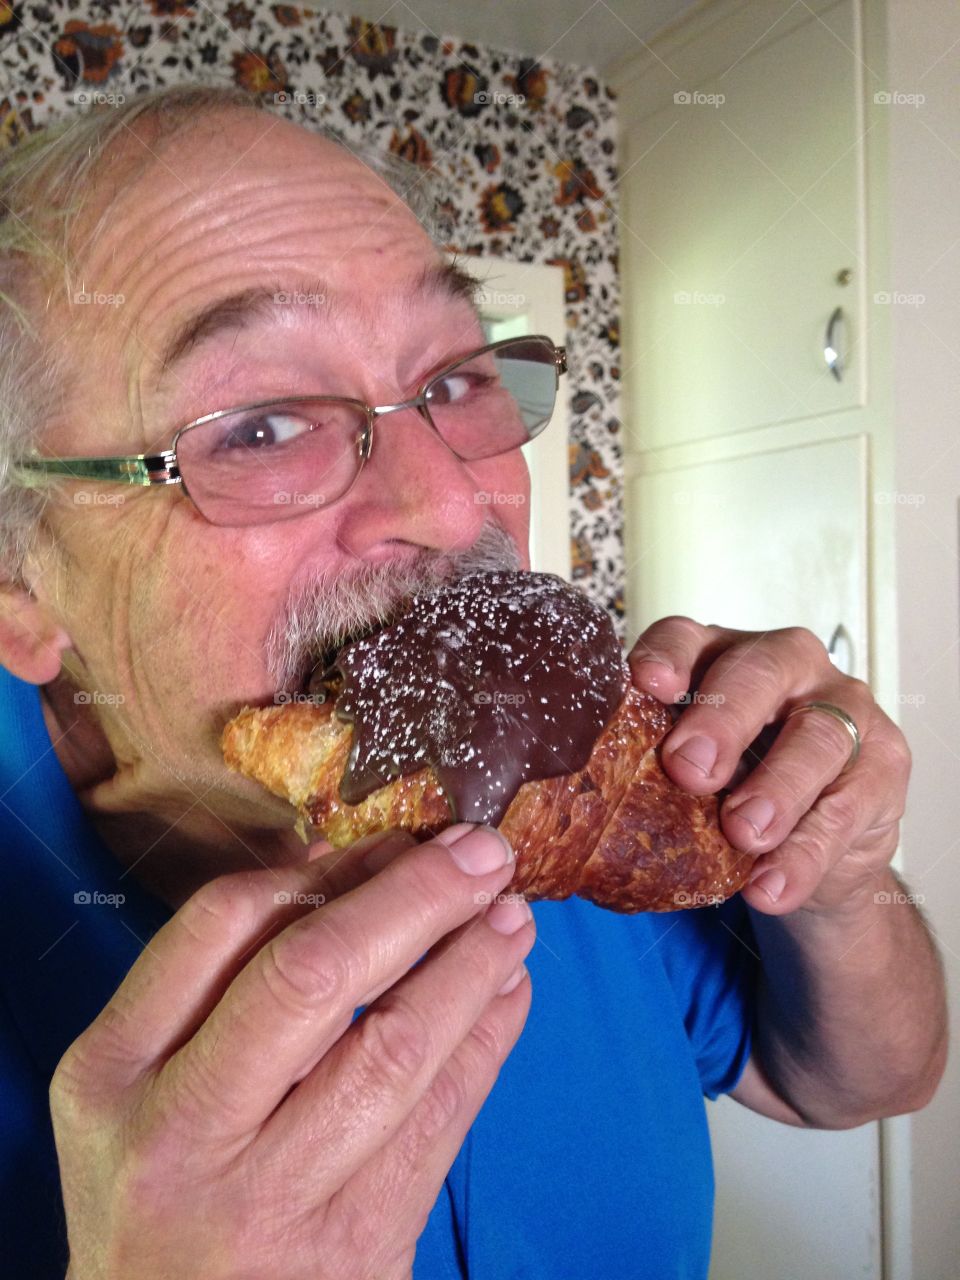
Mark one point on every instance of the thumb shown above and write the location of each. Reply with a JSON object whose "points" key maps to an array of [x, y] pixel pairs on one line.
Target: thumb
{"points": [[348, 868]]}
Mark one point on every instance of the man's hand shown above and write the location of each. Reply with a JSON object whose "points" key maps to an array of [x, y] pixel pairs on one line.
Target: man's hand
{"points": [[826, 836], [223, 1118]]}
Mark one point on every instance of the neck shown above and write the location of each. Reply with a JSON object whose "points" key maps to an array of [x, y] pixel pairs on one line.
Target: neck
{"points": [[171, 844]]}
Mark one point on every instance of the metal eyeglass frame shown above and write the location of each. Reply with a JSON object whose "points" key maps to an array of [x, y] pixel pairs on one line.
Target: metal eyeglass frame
{"points": [[162, 468]]}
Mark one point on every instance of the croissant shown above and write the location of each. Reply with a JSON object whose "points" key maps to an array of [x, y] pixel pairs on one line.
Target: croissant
{"points": [[617, 832]]}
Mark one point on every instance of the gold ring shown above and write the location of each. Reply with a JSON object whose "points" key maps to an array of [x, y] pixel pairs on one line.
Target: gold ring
{"points": [[838, 714]]}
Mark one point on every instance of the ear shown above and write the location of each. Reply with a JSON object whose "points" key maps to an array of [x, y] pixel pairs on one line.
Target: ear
{"points": [[31, 639]]}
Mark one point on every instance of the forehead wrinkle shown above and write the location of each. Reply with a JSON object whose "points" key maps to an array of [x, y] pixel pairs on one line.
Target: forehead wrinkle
{"points": [[288, 273]]}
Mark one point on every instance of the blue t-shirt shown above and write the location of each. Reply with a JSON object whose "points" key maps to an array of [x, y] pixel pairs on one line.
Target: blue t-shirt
{"points": [[590, 1156]]}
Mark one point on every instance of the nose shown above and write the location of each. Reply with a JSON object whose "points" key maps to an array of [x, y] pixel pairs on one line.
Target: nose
{"points": [[413, 489]]}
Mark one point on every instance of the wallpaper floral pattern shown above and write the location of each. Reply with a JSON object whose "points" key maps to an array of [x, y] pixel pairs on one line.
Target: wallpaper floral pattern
{"points": [[529, 146]]}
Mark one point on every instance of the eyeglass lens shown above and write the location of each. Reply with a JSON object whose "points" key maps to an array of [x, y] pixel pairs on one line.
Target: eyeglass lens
{"points": [[281, 459]]}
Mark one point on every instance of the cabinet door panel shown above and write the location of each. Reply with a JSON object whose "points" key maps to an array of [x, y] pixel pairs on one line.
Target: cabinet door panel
{"points": [[764, 540], [740, 208]]}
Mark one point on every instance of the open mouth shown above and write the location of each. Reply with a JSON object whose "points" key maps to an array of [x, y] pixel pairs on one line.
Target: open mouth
{"points": [[322, 674]]}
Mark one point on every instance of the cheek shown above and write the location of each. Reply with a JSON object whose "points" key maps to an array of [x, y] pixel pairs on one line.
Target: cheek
{"points": [[506, 483], [219, 595]]}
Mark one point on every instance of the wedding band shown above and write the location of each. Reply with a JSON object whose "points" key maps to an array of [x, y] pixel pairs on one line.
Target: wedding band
{"points": [[838, 714]]}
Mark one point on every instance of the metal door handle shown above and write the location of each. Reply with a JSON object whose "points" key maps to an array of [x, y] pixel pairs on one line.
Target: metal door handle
{"points": [[841, 640], [831, 352]]}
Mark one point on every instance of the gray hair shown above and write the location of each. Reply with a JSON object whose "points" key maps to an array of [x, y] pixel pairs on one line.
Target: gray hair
{"points": [[45, 184]]}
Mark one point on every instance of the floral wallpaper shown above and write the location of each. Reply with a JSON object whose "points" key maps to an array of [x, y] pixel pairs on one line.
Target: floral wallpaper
{"points": [[529, 146]]}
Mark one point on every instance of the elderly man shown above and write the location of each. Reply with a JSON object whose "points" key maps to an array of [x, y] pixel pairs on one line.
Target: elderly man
{"points": [[251, 1074]]}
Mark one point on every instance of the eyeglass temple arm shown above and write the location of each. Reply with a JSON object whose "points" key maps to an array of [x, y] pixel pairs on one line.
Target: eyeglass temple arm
{"points": [[141, 468], [561, 360]]}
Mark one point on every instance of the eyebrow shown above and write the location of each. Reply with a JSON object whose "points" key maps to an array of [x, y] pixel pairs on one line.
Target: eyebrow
{"points": [[235, 311]]}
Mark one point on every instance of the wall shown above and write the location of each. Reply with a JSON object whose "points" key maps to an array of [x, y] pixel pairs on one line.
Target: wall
{"points": [[924, 60], [529, 150]]}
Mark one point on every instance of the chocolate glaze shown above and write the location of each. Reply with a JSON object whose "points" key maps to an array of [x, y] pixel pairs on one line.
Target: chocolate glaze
{"points": [[496, 680]]}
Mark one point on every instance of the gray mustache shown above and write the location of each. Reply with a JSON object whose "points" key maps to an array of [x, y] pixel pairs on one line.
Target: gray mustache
{"points": [[326, 612]]}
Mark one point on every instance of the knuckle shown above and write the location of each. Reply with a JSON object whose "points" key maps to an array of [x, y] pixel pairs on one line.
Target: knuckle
{"points": [[803, 640], [676, 628], [489, 1044], [393, 1046], [70, 1091], [830, 740], [219, 909], [302, 976], [895, 748], [680, 622], [353, 1227], [191, 1098], [764, 664], [91, 1062], [840, 811], [441, 1104]]}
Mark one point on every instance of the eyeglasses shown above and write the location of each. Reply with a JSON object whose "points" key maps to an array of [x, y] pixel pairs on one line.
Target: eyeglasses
{"points": [[280, 458]]}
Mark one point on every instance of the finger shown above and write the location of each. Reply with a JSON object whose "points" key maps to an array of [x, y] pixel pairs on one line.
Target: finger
{"points": [[187, 965], [669, 657], [810, 752], [845, 824], [405, 1178], [370, 1080], [295, 996], [751, 684]]}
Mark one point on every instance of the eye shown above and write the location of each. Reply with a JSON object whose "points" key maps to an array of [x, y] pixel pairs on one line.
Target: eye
{"points": [[458, 385], [261, 430]]}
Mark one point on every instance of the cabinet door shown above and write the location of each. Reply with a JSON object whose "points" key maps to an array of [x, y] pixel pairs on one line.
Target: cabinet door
{"points": [[756, 542], [741, 207]]}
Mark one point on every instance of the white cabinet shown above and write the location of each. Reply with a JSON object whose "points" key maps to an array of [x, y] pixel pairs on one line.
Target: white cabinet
{"points": [[742, 212], [750, 468]]}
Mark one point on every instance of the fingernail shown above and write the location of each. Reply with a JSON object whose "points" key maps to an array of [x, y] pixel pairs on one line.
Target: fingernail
{"points": [[653, 671], [508, 917], [513, 981], [480, 851], [699, 751], [757, 811], [772, 882]]}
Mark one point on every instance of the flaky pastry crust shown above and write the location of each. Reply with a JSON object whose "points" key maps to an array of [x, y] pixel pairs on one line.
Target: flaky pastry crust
{"points": [[618, 832]]}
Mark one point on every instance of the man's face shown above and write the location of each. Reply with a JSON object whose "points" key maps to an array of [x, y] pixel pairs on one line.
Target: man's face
{"points": [[164, 609]]}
